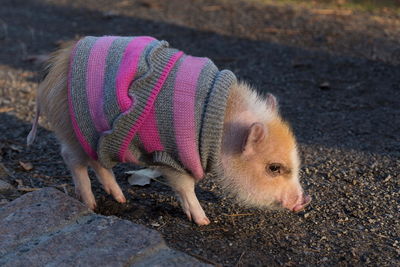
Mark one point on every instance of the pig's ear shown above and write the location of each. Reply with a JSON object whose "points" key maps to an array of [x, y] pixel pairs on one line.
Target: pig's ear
{"points": [[255, 135], [272, 103]]}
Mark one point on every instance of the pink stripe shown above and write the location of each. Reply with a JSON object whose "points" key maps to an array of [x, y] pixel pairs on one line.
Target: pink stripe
{"points": [[184, 113], [128, 68], [81, 138], [149, 105], [95, 81], [149, 135]]}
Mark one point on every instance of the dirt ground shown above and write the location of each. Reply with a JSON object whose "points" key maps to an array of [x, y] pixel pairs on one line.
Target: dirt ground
{"points": [[336, 73]]}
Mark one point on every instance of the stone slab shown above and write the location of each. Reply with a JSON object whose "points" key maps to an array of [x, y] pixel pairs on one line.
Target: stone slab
{"points": [[93, 240], [49, 228], [35, 214]]}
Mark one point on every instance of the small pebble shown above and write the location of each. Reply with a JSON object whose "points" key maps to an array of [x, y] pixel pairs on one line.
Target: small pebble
{"points": [[325, 86]]}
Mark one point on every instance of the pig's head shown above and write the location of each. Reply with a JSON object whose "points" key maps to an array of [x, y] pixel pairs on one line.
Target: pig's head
{"points": [[261, 162]]}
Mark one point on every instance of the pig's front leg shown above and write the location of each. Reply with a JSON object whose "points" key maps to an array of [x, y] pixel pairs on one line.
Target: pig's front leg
{"points": [[107, 179], [184, 184]]}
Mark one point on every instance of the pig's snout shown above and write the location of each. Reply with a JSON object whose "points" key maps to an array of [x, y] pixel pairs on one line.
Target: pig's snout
{"points": [[305, 200], [300, 204]]}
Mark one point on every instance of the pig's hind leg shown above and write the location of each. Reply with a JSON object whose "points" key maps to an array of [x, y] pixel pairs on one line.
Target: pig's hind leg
{"points": [[184, 184], [107, 179], [77, 163]]}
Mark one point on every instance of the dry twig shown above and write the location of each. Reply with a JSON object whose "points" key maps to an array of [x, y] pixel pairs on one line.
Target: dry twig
{"points": [[238, 214]]}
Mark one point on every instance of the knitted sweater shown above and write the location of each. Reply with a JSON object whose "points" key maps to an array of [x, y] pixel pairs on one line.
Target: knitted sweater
{"points": [[134, 99]]}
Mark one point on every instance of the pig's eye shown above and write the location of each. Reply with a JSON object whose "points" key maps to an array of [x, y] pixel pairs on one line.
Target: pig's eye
{"points": [[274, 169]]}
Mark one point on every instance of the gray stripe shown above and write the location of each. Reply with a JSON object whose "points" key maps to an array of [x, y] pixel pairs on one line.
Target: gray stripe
{"points": [[113, 61], [78, 90], [213, 121], [204, 86], [135, 148]]}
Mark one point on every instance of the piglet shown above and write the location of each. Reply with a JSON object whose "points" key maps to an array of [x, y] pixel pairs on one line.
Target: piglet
{"points": [[118, 99]]}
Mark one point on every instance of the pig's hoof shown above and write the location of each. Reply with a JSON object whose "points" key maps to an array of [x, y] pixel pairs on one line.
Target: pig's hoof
{"points": [[202, 221], [116, 192], [91, 205], [121, 199], [88, 200]]}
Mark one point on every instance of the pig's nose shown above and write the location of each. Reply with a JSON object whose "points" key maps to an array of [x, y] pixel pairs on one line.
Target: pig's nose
{"points": [[306, 199]]}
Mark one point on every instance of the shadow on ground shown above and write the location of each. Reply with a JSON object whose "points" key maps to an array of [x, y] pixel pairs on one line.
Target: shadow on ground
{"points": [[331, 100]]}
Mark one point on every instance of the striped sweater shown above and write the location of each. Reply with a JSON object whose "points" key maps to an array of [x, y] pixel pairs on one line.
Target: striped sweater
{"points": [[135, 99]]}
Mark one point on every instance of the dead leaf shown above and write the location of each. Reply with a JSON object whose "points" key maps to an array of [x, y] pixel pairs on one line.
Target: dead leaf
{"points": [[6, 109], [343, 12], [27, 166], [142, 177], [16, 148], [148, 4], [212, 8], [135, 179], [387, 178]]}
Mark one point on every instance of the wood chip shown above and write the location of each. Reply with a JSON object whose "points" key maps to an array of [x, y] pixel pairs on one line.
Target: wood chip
{"points": [[27, 166], [19, 182]]}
